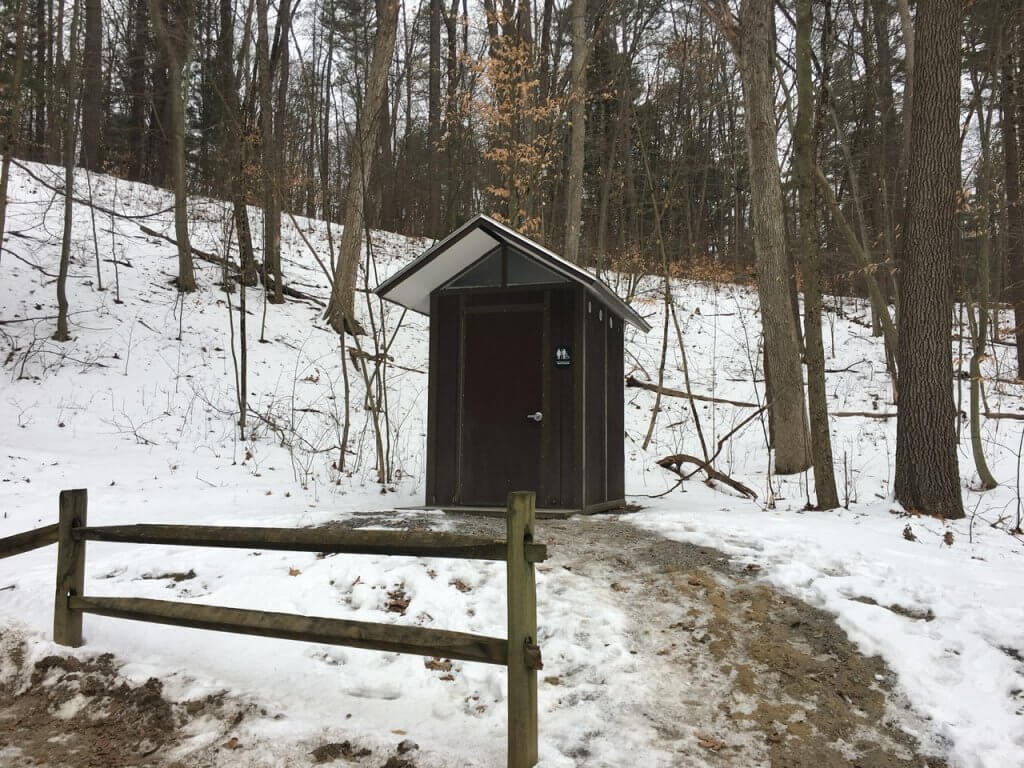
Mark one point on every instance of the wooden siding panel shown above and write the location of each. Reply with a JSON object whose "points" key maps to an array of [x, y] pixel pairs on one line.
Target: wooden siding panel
{"points": [[616, 417], [595, 380], [444, 374]]}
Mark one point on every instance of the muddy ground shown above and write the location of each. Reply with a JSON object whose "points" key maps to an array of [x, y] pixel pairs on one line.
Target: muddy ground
{"points": [[774, 681]]}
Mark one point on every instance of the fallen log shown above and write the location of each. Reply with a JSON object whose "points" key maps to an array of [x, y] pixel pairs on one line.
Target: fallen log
{"points": [[634, 382], [994, 415], [675, 463]]}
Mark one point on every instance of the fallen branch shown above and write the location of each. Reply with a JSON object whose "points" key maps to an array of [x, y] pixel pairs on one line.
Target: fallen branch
{"points": [[90, 203], [633, 382], [675, 464], [850, 367], [865, 414], [213, 258], [221, 262], [356, 354], [993, 415]]}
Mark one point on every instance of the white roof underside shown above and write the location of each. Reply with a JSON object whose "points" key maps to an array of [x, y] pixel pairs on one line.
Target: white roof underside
{"points": [[414, 291], [413, 285]]}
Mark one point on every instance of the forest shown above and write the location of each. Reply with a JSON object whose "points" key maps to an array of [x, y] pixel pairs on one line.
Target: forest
{"points": [[814, 149], [811, 212]]}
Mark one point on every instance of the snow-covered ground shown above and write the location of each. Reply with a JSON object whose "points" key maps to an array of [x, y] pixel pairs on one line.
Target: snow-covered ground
{"points": [[139, 408]]}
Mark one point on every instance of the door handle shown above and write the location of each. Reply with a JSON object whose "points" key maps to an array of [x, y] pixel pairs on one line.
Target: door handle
{"points": [[538, 416]]}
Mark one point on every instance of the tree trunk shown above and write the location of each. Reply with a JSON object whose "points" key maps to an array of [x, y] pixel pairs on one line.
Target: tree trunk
{"points": [[271, 209], [821, 441], [135, 62], [233, 141], [175, 36], [12, 130], [1012, 114], [927, 474], [56, 75], [280, 69], [577, 117], [341, 309], [92, 64], [433, 228], [782, 346], [70, 87]]}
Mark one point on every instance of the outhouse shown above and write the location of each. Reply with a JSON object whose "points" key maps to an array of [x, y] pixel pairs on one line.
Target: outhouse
{"points": [[526, 372]]}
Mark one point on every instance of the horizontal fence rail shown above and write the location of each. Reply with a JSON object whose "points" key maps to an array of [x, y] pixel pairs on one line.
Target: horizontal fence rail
{"points": [[351, 542], [396, 638], [21, 543], [519, 653]]}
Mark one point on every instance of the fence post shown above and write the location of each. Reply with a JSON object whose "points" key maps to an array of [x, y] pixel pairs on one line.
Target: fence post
{"points": [[67, 624], [522, 633]]}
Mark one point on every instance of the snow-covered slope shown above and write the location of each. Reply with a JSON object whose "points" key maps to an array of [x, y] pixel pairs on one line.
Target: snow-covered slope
{"points": [[140, 408]]}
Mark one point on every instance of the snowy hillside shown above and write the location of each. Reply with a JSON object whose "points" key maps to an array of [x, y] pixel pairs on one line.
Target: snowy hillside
{"points": [[140, 408]]}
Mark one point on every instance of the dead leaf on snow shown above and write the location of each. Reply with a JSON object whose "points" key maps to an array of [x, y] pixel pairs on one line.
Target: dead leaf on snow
{"points": [[710, 742], [438, 664]]}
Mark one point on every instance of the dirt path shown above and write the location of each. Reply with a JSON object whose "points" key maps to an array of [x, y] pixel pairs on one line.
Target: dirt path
{"points": [[797, 693], [735, 674]]}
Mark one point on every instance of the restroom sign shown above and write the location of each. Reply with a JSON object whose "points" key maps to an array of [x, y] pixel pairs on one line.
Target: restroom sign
{"points": [[563, 356]]}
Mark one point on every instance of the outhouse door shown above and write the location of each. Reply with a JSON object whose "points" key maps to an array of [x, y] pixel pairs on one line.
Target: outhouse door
{"points": [[502, 417]]}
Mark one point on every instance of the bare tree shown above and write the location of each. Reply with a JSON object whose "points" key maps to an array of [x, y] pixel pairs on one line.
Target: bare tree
{"points": [[1012, 110], [434, 122], [927, 473], [70, 89], [174, 31], [821, 441], [752, 37], [10, 134], [341, 309], [92, 65], [577, 119]]}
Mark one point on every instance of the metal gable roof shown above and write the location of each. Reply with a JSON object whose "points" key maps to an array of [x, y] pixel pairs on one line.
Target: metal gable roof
{"points": [[412, 285]]}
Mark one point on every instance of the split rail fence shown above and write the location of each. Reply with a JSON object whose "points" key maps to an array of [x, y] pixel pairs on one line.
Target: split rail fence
{"points": [[518, 652]]}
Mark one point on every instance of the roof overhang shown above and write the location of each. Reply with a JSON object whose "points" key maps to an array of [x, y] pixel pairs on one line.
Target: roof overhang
{"points": [[413, 285]]}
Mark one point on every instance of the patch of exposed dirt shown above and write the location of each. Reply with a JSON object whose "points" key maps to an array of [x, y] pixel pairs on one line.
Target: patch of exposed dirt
{"points": [[68, 712], [770, 680], [795, 683]]}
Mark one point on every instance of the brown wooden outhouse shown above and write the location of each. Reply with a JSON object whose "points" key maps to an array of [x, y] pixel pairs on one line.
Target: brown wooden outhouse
{"points": [[526, 372]]}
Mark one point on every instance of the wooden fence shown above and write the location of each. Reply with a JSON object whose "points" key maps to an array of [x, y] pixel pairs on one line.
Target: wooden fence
{"points": [[519, 652]]}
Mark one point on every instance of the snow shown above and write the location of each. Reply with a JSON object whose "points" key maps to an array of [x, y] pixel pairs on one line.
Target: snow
{"points": [[144, 420]]}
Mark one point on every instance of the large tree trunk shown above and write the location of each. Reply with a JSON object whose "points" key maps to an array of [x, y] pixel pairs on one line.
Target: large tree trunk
{"points": [[341, 309], [577, 117], [781, 341], [92, 64], [927, 474], [174, 32], [1011, 109], [821, 440]]}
